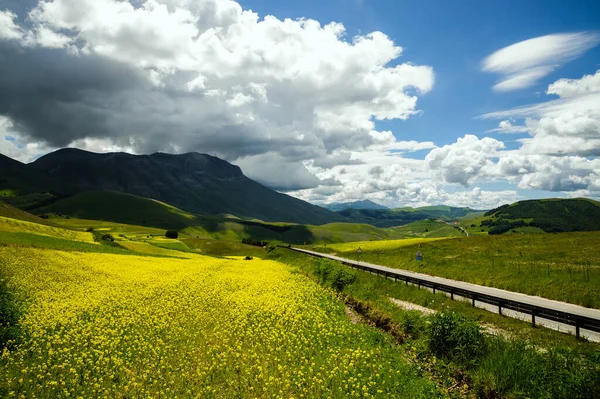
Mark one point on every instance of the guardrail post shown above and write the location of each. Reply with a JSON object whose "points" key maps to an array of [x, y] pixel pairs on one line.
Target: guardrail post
{"points": [[434, 288], [451, 294], [473, 299], [577, 334], [533, 318]]}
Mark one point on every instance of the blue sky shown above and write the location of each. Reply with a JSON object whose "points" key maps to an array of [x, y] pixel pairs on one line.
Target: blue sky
{"points": [[454, 37], [488, 102]]}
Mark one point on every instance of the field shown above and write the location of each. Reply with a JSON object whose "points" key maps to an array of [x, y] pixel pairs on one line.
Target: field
{"points": [[104, 325], [146, 316], [563, 266]]}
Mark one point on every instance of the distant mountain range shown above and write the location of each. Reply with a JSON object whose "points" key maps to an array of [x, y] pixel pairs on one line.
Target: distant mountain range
{"points": [[401, 216], [364, 204], [84, 184], [194, 182]]}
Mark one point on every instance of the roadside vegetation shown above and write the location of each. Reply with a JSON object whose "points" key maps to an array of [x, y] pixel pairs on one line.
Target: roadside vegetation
{"points": [[456, 346], [564, 266]]}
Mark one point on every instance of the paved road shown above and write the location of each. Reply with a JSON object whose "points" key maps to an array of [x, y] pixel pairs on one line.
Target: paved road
{"points": [[515, 296]]}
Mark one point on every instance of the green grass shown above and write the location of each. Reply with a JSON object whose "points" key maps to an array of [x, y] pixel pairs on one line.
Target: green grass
{"points": [[563, 266], [120, 208], [212, 247], [124, 209], [425, 228], [536, 362]]}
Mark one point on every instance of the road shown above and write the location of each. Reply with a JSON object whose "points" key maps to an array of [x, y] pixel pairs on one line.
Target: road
{"points": [[496, 292]]}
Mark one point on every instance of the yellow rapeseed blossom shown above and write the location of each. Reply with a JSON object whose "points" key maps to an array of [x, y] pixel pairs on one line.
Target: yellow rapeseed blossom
{"points": [[117, 326], [21, 226]]}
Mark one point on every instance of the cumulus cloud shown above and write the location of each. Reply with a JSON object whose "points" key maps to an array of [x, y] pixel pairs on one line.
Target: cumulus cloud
{"points": [[207, 76], [522, 64], [9, 30], [506, 126], [465, 160]]}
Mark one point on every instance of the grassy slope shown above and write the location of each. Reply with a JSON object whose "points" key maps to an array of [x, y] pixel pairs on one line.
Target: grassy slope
{"points": [[426, 228], [564, 266], [129, 209], [550, 215]]}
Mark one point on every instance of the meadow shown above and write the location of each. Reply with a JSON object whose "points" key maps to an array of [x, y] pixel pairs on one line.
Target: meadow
{"points": [[107, 325], [468, 351], [146, 316], [561, 266]]}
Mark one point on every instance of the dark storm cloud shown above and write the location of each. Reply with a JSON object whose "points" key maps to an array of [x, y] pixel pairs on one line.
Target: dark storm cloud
{"points": [[56, 98]]}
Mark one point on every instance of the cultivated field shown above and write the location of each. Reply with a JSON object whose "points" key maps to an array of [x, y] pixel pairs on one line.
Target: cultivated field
{"points": [[106, 325]]}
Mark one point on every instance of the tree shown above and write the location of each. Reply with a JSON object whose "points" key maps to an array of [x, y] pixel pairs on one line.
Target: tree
{"points": [[171, 234]]}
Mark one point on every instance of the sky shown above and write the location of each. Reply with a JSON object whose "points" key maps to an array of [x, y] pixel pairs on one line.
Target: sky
{"points": [[405, 103]]}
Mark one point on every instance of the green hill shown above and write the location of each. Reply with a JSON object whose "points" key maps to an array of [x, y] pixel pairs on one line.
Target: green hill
{"points": [[402, 216], [118, 207], [549, 215], [9, 211], [426, 228]]}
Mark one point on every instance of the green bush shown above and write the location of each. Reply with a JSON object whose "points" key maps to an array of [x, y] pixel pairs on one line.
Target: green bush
{"points": [[456, 338], [108, 237], [171, 234], [334, 275]]}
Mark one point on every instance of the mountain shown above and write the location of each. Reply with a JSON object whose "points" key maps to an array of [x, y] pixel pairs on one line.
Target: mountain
{"points": [[402, 216], [550, 215], [364, 204], [194, 182]]}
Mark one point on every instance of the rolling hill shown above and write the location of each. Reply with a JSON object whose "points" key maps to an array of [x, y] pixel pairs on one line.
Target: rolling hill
{"points": [[402, 216], [117, 207], [194, 182], [549, 215]]}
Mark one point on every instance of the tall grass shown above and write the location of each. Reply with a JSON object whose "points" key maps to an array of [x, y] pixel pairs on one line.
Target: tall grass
{"points": [[563, 266], [540, 364]]}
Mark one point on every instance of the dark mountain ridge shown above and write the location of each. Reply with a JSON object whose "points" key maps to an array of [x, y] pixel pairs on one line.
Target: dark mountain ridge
{"points": [[364, 204], [194, 182]]}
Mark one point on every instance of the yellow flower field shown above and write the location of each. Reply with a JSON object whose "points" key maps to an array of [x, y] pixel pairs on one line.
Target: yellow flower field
{"points": [[382, 244], [20, 226], [115, 326]]}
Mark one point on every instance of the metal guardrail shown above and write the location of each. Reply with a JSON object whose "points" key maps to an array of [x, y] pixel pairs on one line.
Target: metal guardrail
{"points": [[578, 321]]}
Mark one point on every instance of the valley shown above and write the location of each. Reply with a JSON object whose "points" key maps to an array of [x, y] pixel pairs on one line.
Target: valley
{"points": [[90, 280]]}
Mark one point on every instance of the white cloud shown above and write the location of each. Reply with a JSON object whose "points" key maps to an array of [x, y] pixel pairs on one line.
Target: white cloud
{"points": [[565, 88], [219, 79], [506, 126], [523, 64], [465, 160], [8, 29]]}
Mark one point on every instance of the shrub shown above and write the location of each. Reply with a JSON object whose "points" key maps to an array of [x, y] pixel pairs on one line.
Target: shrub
{"points": [[108, 237], [341, 277], [171, 234], [270, 248], [334, 275], [248, 258], [454, 337], [89, 229], [252, 241]]}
